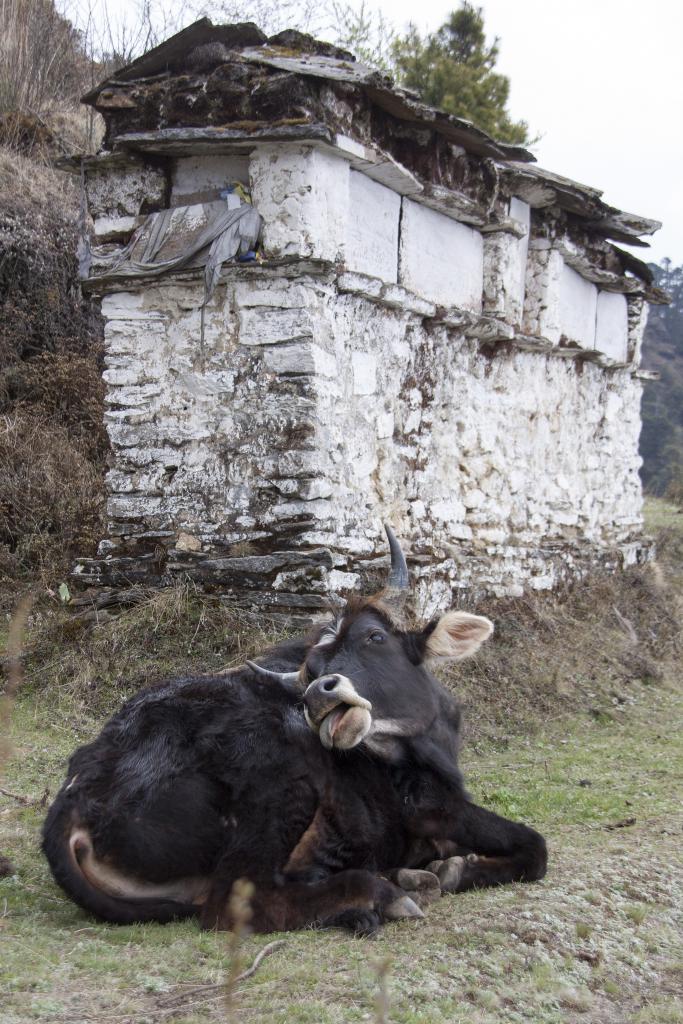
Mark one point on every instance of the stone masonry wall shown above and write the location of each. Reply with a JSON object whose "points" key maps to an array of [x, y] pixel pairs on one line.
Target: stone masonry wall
{"points": [[266, 463], [386, 363]]}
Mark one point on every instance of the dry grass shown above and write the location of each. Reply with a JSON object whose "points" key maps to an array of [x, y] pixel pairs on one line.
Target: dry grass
{"points": [[583, 647], [89, 667]]}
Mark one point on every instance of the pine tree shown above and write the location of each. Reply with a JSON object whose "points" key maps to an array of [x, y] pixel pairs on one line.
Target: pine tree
{"points": [[453, 68]]}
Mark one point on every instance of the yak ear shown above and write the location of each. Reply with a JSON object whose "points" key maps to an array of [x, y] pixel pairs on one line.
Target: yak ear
{"points": [[457, 635]]}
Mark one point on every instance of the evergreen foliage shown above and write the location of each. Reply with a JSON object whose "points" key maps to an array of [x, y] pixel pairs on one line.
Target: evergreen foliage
{"points": [[661, 442], [453, 68]]}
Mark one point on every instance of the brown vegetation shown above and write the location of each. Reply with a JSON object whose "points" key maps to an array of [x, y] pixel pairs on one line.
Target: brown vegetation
{"points": [[53, 444], [50, 499], [581, 648]]}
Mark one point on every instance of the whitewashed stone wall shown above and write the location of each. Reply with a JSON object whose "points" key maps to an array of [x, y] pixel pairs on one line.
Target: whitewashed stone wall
{"points": [[330, 395], [312, 416]]}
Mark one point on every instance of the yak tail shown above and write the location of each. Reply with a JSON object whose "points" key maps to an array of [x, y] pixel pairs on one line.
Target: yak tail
{"points": [[104, 891]]}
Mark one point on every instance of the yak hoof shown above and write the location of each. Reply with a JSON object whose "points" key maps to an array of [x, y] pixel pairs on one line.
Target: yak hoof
{"points": [[424, 886], [402, 907], [449, 872]]}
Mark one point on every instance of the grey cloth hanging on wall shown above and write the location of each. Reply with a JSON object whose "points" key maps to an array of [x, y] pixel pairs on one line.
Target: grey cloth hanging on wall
{"points": [[226, 233]]}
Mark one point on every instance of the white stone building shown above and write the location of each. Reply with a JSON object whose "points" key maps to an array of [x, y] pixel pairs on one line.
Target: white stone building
{"points": [[439, 335]]}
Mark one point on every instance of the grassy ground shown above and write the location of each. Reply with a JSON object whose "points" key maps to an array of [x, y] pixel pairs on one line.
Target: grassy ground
{"points": [[600, 774]]}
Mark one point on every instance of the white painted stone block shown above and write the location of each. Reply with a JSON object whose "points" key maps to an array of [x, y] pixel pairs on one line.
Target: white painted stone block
{"points": [[364, 373], [372, 240], [611, 332], [113, 228], [385, 425], [287, 295], [303, 196], [199, 179], [440, 259], [259, 326], [129, 306], [300, 358], [578, 308]]}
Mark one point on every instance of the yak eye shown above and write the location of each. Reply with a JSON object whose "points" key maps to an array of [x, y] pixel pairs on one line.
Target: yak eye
{"points": [[376, 637]]}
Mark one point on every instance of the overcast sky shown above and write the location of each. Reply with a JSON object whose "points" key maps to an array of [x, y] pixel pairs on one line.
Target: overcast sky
{"points": [[601, 81]]}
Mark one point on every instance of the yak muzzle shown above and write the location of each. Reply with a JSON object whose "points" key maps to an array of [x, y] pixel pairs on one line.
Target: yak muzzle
{"points": [[339, 714]]}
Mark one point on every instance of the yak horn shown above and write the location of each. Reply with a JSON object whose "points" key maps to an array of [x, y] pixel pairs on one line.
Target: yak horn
{"points": [[268, 675], [399, 580]]}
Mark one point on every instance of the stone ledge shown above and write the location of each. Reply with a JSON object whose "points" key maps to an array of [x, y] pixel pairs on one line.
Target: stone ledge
{"points": [[490, 329], [257, 583], [485, 328], [393, 296], [652, 375], [287, 267]]}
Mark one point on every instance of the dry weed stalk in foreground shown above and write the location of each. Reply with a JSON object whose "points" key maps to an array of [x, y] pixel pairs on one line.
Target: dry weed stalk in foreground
{"points": [[15, 641], [382, 996], [241, 914]]}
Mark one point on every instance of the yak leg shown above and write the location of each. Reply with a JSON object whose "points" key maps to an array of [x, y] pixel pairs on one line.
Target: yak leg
{"points": [[502, 851], [351, 899]]}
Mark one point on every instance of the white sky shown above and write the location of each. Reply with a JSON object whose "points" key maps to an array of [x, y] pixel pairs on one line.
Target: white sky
{"points": [[601, 81]]}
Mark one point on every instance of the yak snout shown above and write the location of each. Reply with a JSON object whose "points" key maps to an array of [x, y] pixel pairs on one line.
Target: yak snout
{"points": [[337, 712]]}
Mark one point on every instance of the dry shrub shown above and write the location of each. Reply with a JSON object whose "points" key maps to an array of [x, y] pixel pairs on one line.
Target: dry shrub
{"points": [[53, 444], [51, 498], [42, 306], [68, 389], [27, 134]]}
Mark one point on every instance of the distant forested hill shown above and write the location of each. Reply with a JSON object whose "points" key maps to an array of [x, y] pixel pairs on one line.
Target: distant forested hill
{"points": [[661, 442]]}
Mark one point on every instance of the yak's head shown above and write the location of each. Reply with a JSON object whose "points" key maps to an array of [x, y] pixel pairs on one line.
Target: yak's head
{"points": [[368, 678]]}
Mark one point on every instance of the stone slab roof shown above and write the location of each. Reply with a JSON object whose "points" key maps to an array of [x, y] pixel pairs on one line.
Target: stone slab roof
{"points": [[222, 88]]}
